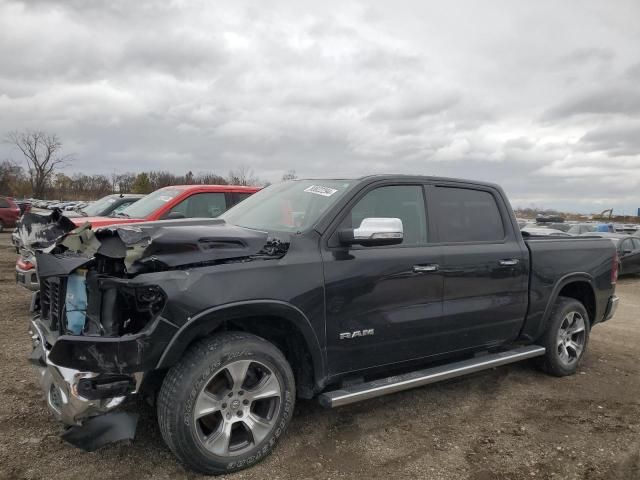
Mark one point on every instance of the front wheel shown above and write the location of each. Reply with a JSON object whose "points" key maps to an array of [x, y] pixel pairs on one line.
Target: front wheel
{"points": [[566, 338], [223, 407]]}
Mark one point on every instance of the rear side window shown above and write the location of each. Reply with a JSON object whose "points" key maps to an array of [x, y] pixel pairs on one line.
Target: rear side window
{"points": [[4, 203], [466, 215], [636, 243]]}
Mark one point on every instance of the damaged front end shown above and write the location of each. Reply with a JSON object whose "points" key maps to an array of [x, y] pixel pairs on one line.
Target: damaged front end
{"points": [[97, 323]]}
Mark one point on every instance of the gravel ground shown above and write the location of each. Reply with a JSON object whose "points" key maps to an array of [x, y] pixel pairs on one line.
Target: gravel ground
{"points": [[508, 423]]}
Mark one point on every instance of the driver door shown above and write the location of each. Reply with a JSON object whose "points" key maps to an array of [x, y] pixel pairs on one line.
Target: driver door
{"points": [[382, 303]]}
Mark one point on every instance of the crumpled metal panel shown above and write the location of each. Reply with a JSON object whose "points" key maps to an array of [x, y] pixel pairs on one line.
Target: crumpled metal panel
{"points": [[41, 231]]}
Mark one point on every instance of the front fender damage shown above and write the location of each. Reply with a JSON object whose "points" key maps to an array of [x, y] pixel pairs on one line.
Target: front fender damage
{"points": [[98, 329]]}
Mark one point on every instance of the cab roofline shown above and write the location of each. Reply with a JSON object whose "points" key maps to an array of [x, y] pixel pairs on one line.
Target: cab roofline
{"points": [[405, 177]]}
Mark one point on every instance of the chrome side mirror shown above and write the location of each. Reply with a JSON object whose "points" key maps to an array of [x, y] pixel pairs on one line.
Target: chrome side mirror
{"points": [[374, 232]]}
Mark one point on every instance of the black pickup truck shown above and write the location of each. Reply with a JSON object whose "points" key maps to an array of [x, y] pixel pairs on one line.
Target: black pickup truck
{"points": [[342, 290]]}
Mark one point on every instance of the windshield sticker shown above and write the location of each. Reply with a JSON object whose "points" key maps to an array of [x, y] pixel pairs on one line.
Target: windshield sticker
{"points": [[320, 190]]}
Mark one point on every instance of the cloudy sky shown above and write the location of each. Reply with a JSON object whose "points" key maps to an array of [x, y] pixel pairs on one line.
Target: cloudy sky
{"points": [[542, 97]]}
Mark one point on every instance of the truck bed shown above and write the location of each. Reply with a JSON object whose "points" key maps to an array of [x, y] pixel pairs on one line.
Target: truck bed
{"points": [[551, 259]]}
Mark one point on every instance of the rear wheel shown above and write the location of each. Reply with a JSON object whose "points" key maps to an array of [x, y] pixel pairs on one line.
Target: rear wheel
{"points": [[1, 226], [226, 403], [566, 338]]}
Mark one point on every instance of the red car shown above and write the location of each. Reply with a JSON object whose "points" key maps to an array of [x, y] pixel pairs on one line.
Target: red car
{"points": [[180, 201], [9, 213]]}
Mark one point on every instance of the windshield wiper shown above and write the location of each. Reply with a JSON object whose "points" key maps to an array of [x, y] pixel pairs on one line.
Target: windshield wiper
{"points": [[122, 214]]}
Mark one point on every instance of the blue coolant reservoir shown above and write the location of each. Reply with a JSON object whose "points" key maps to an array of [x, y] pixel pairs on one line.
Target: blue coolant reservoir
{"points": [[76, 302]]}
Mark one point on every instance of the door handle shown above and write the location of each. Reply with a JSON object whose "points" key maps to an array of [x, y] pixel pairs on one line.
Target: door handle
{"points": [[508, 262], [426, 268]]}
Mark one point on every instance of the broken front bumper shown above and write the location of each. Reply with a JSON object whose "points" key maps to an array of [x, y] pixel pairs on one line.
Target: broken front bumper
{"points": [[63, 387]]}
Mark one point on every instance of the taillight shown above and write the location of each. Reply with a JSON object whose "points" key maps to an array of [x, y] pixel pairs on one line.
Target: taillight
{"points": [[614, 269], [24, 264]]}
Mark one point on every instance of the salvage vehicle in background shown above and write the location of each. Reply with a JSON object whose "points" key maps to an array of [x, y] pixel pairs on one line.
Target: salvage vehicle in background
{"points": [[628, 251], [9, 213], [338, 289], [180, 201], [106, 206], [580, 228], [23, 205]]}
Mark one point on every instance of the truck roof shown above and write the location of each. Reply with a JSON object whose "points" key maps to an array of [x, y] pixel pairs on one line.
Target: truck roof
{"points": [[426, 178], [418, 178]]}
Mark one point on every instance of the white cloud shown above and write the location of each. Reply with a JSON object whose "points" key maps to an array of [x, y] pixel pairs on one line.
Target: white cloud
{"points": [[540, 97]]}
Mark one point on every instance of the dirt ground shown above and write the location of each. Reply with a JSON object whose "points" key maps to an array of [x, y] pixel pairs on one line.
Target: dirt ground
{"points": [[509, 423]]}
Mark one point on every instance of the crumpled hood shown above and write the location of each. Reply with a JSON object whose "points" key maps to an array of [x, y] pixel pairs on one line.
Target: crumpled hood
{"points": [[183, 242], [160, 245]]}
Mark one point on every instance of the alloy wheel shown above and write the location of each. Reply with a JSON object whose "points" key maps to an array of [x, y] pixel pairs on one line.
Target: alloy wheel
{"points": [[571, 338], [237, 407]]}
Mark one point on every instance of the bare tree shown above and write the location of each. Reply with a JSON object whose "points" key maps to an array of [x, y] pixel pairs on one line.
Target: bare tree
{"points": [[43, 154], [290, 175], [12, 179], [243, 175]]}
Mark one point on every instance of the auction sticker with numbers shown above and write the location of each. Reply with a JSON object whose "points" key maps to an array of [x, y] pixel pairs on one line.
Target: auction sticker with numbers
{"points": [[320, 190]]}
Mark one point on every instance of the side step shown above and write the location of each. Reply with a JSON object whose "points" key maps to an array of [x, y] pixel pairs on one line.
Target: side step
{"points": [[377, 388]]}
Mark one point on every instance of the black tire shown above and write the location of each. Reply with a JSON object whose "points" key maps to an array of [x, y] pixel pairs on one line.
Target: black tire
{"points": [[1, 226], [555, 362], [191, 379]]}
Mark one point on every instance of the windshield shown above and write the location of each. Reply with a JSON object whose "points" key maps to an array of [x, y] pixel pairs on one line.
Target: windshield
{"points": [[149, 204], [99, 207], [289, 206]]}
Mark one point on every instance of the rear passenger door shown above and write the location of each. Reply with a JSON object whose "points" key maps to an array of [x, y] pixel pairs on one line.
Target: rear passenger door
{"points": [[484, 266]]}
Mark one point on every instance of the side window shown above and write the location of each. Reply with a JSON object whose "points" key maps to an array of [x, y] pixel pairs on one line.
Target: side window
{"points": [[626, 245], [466, 215], [4, 203], [404, 202], [202, 205], [636, 243]]}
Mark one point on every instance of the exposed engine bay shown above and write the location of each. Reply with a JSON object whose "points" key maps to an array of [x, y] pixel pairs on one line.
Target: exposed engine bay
{"points": [[92, 268]]}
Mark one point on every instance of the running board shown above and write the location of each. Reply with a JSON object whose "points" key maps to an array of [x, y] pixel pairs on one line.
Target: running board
{"points": [[377, 388]]}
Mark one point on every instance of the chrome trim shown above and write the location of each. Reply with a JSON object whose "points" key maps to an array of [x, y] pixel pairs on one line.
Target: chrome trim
{"points": [[377, 388], [426, 268], [60, 387], [508, 262], [378, 228]]}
